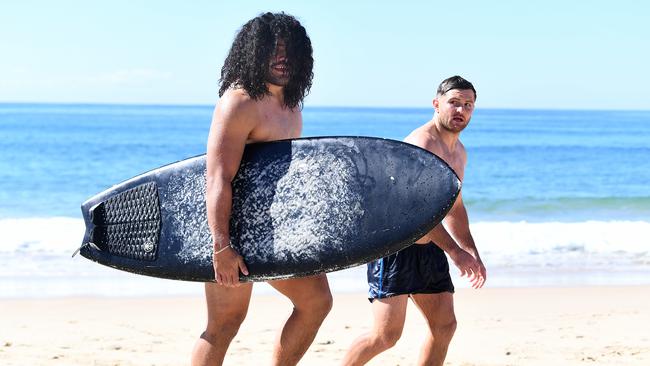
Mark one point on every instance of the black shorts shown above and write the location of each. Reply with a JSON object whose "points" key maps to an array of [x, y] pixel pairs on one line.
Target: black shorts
{"points": [[418, 269]]}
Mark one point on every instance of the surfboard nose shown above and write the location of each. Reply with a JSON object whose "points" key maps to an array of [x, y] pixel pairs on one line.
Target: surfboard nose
{"points": [[336, 202]]}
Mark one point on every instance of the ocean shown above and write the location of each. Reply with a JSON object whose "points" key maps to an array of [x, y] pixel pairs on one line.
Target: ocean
{"points": [[555, 197]]}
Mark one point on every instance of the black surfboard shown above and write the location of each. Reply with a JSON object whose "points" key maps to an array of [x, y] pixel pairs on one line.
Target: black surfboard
{"points": [[300, 207]]}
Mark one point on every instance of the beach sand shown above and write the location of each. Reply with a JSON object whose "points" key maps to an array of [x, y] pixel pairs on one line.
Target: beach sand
{"points": [[511, 326]]}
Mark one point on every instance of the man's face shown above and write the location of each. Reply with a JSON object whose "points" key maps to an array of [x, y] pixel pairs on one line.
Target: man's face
{"points": [[278, 73], [455, 109]]}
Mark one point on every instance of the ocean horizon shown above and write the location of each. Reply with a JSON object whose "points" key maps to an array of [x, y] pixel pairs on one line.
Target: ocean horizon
{"points": [[555, 197]]}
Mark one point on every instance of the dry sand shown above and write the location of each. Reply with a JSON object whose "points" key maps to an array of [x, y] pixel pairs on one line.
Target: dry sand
{"points": [[518, 326]]}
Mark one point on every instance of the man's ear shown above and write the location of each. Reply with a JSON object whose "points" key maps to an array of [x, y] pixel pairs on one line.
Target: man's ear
{"points": [[435, 104]]}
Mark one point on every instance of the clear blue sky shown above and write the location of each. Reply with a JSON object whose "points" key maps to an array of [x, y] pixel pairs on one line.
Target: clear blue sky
{"points": [[519, 54]]}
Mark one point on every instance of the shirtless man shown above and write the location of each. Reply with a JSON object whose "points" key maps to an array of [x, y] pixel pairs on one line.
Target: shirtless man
{"points": [[264, 80], [421, 271]]}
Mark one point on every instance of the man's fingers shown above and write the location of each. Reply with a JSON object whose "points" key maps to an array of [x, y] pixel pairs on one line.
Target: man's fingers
{"points": [[482, 276], [235, 278], [472, 277], [480, 280], [242, 266], [463, 272]]}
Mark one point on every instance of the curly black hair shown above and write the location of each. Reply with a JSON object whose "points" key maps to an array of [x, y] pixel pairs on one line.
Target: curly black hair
{"points": [[247, 63]]}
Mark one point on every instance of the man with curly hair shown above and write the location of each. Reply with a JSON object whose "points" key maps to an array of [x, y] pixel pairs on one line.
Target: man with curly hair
{"points": [[421, 271], [264, 80]]}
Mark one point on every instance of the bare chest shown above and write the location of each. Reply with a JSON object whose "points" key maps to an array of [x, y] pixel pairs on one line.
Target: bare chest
{"points": [[453, 158], [456, 164], [277, 126]]}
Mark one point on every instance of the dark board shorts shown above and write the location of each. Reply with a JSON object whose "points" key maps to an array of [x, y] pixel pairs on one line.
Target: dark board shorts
{"points": [[418, 269]]}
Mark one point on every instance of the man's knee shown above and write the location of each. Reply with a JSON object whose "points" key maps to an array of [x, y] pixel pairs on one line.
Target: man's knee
{"points": [[446, 330], [387, 338], [221, 331], [321, 305], [311, 296], [226, 322]]}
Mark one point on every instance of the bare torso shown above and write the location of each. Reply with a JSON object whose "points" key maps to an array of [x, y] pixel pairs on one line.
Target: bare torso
{"points": [[271, 120], [447, 147], [239, 120]]}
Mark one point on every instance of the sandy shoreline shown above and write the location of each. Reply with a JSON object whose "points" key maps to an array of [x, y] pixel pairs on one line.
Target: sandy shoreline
{"points": [[510, 326]]}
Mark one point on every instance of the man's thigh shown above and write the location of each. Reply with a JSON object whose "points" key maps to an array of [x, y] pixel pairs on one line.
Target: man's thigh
{"points": [[389, 313], [304, 289], [438, 309], [223, 300]]}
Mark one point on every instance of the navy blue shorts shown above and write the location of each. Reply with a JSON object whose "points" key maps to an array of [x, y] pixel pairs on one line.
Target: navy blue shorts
{"points": [[418, 269]]}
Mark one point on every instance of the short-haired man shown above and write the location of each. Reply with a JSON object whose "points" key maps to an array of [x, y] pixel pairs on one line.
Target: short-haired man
{"points": [[421, 271]]}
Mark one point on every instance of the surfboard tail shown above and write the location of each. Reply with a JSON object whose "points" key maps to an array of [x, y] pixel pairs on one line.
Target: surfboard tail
{"points": [[126, 224]]}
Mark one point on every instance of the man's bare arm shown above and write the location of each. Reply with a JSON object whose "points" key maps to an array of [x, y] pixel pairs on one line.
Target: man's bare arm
{"points": [[231, 126], [467, 264], [457, 223]]}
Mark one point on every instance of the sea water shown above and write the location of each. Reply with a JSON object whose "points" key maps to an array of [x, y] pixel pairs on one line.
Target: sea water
{"points": [[555, 197]]}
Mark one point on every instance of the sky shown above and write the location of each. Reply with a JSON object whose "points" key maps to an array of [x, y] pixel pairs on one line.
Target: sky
{"points": [[553, 54]]}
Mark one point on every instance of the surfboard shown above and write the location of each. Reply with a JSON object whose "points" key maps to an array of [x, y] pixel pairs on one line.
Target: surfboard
{"points": [[300, 207]]}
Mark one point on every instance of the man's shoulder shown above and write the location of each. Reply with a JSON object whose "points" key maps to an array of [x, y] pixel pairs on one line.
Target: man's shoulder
{"points": [[236, 110], [421, 137], [236, 104], [237, 98]]}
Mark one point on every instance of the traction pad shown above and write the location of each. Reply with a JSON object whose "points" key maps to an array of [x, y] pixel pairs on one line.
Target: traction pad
{"points": [[128, 224]]}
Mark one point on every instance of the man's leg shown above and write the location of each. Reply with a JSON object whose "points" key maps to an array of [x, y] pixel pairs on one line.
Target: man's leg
{"points": [[312, 301], [227, 308], [389, 315], [438, 309]]}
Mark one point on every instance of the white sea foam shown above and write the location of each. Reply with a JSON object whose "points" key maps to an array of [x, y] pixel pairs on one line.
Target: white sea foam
{"points": [[41, 236], [564, 253], [62, 235], [35, 258], [572, 243]]}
